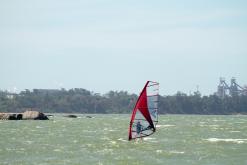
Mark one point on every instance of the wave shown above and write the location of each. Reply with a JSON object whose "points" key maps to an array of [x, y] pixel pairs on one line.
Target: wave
{"points": [[148, 138], [170, 152], [167, 125], [57, 150], [123, 140], [176, 152], [238, 141], [235, 131]]}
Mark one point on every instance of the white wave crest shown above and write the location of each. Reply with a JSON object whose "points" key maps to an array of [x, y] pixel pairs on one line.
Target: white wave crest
{"points": [[239, 141], [177, 152], [159, 126], [123, 140], [57, 150], [148, 138], [234, 131]]}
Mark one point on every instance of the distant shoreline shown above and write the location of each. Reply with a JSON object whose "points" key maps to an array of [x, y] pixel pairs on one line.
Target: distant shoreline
{"points": [[82, 101], [49, 113]]}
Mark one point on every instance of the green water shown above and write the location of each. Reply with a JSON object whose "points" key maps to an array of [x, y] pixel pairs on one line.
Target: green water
{"points": [[102, 140]]}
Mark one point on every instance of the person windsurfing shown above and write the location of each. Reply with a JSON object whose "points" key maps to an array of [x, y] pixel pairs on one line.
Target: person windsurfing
{"points": [[144, 115], [138, 128]]}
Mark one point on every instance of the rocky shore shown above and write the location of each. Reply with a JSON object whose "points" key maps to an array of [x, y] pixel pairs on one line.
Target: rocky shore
{"points": [[27, 115]]}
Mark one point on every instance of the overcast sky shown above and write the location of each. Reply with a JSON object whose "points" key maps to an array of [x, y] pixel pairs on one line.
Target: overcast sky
{"points": [[103, 45]]}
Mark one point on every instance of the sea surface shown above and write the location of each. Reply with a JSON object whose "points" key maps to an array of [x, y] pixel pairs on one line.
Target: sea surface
{"points": [[102, 140]]}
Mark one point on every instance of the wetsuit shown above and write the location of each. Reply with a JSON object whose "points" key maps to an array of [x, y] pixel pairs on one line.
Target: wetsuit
{"points": [[138, 128]]}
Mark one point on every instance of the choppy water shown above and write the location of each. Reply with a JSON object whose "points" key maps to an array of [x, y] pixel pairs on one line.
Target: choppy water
{"points": [[102, 140]]}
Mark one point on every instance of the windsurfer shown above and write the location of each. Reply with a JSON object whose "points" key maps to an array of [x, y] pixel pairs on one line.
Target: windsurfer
{"points": [[138, 128], [143, 123]]}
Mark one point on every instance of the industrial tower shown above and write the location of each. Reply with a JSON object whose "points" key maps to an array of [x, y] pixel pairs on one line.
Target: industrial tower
{"points": [[233, 90]]}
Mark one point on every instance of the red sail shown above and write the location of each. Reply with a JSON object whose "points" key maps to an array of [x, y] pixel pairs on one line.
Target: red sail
{"points": [[144, 116]]}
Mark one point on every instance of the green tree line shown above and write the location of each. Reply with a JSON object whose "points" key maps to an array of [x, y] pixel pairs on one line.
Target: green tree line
{"points": [[80, 100]]}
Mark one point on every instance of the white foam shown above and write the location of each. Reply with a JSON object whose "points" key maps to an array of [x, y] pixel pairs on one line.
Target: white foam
{"points": [[110, 130], [88, 131], [89, 145], [168, 125], [176, 152], [239, 141], [105, 138], [57, 150], [234, 131], [28, 142], [218, 120], [148, 138], [214, 125], [123, 140]]}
